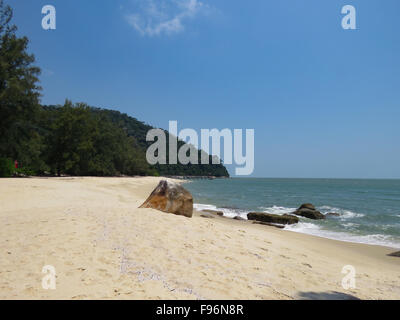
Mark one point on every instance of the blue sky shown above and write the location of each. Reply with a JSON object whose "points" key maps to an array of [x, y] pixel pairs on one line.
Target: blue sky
{"points": [[324, 102]]}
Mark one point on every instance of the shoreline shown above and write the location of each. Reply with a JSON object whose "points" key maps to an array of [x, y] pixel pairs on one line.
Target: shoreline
{"points": [[306, 235], [104, 247], [288, 228]]}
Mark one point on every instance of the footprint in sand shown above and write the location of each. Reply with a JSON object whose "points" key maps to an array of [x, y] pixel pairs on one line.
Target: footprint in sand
{"points": [[230, 259], [258, 256], [104, 272]]}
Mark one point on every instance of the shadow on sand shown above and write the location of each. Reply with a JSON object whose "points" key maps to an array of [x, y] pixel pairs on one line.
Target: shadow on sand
{"points": [[394, 254], [332, 295]]}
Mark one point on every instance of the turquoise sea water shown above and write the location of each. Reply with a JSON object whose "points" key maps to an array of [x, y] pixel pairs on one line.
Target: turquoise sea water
{"points": [[370, 209]]}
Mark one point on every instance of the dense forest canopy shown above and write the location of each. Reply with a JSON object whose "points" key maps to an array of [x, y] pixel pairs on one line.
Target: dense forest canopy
{"points": [[72, 139]]}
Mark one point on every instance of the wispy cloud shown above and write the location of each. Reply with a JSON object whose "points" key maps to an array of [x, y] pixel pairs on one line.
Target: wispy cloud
{"points": [[164, 17]]}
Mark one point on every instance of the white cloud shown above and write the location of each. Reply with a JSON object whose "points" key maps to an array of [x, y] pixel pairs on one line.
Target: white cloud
{"points": [[158, 17]]}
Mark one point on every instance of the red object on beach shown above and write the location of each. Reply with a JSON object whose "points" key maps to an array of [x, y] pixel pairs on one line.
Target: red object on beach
{"points": [[16, 164]]}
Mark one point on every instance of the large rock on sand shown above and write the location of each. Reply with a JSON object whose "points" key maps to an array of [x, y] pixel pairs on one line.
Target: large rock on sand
{"points": [[171, 198], [307, 210], [272, 218]]}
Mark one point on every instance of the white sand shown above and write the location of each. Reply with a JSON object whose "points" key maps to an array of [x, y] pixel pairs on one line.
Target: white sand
{"points": [[103, 247]]}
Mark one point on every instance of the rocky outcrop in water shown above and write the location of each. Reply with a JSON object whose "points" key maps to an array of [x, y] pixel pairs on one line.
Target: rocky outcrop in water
{"points": [[272, 218], [171, 198], [332, 214], [307, 210]]}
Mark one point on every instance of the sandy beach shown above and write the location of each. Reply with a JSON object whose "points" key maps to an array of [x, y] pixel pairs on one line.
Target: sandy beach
{"points": [[103, 247]]}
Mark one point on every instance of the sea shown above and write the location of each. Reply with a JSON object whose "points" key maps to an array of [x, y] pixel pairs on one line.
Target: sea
{"points": [[369, 209]]}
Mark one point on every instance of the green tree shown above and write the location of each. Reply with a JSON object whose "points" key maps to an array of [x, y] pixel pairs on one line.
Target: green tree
{"points": [[19, 94], [6, 167], [70, 144]]}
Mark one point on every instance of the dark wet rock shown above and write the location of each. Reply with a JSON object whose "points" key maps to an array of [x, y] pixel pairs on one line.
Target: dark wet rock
{"points": [[272, 218], [207, 216], [171, 198], [307, 206], [218, 213], [307, 210], [239, 218], [332, 214]]}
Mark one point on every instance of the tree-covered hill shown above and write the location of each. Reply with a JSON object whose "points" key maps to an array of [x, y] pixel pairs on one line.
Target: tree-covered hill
{"points": [[73, 127], [138, 130]]}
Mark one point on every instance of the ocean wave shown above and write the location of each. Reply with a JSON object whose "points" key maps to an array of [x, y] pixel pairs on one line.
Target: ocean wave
{"points": [[344, 214], [350, 225], [278, 210], [200, 206], [315, 230]]}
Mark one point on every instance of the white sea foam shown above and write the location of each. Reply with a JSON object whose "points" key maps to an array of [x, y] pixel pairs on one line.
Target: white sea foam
{"points": [[344, 214], [200, 206], [278, 210], [350, 225], [315, 230]]}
